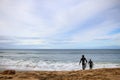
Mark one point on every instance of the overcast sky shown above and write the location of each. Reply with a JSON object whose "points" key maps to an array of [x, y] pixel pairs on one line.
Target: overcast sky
{"points": [[59, 24]]}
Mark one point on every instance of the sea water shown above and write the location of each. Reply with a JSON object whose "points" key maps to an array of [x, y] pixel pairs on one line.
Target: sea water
{"points": [[57, 59]]}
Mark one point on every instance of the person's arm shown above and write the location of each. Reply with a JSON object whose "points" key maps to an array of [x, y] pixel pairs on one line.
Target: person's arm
{"points": [[86, 60], [80, 61]]}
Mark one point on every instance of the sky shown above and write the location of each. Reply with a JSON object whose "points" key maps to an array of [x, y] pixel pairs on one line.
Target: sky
{"points": [[59, 24]]}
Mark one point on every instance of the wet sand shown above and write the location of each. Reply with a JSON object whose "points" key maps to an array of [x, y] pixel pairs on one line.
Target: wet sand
{"points": [[95, 74]]}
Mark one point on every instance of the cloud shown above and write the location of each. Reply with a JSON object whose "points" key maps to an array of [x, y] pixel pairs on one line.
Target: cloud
{"points": [[109, 37], [68, 18], [53, 23], [25, 20], [29, 42], [96, 31]]}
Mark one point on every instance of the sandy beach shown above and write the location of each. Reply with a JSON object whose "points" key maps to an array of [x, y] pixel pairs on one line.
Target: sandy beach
{"points": [[95, 74]]}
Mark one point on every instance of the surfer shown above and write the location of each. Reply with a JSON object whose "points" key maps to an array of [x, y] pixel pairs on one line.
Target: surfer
{"points": [[90, 64], [84, 61]]}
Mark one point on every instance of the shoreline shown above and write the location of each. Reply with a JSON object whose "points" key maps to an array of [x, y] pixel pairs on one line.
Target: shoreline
{"points": [[74, 68], [94, 74], [28, 70]]}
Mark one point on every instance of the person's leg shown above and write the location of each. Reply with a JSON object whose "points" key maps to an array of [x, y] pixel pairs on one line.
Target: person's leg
{"points": [[84, 66], [91, 66]]}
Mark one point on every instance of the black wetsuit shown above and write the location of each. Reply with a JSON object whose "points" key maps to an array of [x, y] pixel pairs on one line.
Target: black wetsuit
{"points": [[84, 61], [90, 64]]}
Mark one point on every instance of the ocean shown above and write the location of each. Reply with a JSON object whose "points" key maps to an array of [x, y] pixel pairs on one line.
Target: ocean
{"points": [[57, 59]]}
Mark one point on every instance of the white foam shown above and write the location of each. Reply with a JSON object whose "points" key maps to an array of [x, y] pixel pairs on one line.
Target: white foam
{"points": [[47, 65]]}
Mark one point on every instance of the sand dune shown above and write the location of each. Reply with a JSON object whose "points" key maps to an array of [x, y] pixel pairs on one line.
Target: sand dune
{"points": [[96, 74]]}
